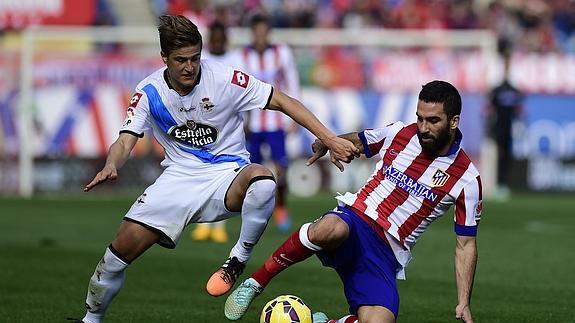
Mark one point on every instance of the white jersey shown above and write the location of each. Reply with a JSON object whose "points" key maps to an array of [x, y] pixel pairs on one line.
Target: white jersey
{"points": [[229, 58], [276, 66], [409, 190], [204, 127]]}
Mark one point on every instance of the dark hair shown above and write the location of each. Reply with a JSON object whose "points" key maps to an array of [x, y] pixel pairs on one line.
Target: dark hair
{"points": [[442, 92], [218, 26], [177, 32], [259, 19]]}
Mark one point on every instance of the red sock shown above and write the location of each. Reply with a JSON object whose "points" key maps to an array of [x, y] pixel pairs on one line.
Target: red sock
{"points": [[345, 319], [290, 252]]}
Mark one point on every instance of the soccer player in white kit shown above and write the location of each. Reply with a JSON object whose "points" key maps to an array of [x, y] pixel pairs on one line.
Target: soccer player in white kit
{"points": [[368, 238], [194, 110]]}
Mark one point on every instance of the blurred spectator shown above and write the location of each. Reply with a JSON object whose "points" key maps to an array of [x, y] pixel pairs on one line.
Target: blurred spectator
{"points": [[461, 15], [505, 106], [564, 24], [411, 14], [105, 16], [198, 11]]}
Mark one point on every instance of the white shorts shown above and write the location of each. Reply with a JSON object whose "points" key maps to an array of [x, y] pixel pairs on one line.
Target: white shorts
{"points": [[181, 196]]}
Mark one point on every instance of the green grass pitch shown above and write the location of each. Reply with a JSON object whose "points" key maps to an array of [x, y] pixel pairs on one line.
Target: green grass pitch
{"points": [[49, 247]]}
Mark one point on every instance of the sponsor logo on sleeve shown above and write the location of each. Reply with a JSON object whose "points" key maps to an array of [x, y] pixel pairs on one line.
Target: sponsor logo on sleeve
{"points": [[240, 79], [135, 99], [478, 209], [131, 111]]}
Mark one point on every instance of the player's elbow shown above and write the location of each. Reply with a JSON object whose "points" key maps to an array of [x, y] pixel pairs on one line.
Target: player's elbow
{"points": [[281, 101]]}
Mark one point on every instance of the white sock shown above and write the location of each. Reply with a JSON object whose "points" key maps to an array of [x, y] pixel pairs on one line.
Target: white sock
{"points": [[303, 237], [104, 284], [256, 211]]}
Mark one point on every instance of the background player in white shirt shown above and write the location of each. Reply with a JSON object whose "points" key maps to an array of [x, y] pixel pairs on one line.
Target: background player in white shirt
{"points": [[217, 47], [194, 109], [368, 238], [274, 64], [217, 50]]}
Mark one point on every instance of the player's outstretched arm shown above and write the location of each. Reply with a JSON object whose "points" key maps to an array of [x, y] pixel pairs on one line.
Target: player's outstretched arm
{"points": [[117, 155], [319, 149], [465, 263], [341, 150]]}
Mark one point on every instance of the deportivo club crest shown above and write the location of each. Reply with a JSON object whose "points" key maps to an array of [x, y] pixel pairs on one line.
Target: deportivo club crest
{"points": [[439, 178], [207, 105]]}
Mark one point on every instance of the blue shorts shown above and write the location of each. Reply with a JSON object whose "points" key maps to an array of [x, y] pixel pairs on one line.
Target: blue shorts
{"points": [[275, 140], [365, 263]]}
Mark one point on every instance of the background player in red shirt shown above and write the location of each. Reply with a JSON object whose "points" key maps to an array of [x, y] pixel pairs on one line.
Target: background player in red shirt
{"points": [[274, 64]]}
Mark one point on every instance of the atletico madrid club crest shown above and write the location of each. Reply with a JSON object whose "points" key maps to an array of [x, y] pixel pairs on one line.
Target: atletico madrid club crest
{"points": [[439, 178]]}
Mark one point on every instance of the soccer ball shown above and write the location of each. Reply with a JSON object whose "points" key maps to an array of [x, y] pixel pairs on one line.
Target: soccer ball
{"points": [[286, 309]]}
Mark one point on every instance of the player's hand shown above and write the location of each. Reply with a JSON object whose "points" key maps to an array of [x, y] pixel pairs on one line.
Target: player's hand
{"points": [[318, 149], [341, 150], [107, 173], [463, 313]]}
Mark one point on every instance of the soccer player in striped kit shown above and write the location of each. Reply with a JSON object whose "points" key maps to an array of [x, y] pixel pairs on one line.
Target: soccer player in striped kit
{"points": [[368, 238], [273, 64]]}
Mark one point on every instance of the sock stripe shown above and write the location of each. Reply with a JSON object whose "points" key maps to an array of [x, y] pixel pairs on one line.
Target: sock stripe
{"points": [[118, 255], [305, 239], [261, 178]]}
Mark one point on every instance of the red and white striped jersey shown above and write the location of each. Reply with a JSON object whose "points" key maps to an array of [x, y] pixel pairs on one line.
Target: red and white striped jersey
{"points": [[409, 190], [276, 66]]}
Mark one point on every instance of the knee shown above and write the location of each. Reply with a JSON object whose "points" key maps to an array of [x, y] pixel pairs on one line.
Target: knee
{"points": [[262, 190], [329, 232], [375, 314]]}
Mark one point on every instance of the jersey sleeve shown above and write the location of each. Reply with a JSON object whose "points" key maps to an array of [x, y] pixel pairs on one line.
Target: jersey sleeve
{"points": [[373, 139], [137, 115], [250, 92], [468, 207]]}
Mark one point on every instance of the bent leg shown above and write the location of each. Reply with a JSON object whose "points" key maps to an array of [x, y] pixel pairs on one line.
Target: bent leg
{"points": [[326, 233], [131, 241], [296, 248], [252, 191], [375, 314]]}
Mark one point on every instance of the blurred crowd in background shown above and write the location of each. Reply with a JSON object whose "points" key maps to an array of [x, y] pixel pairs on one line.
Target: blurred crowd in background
{"points": [[530, 25]]}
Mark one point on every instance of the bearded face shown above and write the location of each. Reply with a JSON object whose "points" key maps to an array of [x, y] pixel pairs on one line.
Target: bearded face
{"points": [[433, 143], [435, 130]]}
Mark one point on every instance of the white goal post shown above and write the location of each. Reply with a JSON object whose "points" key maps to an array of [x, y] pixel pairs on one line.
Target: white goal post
{"points": [[485, 41]]}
